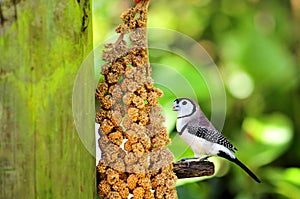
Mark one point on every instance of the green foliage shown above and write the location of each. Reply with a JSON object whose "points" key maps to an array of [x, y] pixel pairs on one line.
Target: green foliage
{"points": [[255, 45]]}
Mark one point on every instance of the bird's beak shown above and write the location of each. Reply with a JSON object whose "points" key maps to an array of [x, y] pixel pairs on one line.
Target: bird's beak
{"points": [[175, 107]]}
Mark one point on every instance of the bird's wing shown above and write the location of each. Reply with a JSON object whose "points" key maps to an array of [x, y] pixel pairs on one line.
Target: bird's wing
{"points": [[211, 135]]}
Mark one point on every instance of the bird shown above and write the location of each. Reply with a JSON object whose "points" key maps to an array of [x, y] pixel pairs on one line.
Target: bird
{"points": [[201, 136]]}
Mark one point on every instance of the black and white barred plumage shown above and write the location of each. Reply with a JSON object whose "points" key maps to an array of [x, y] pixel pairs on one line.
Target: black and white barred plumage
{"points": [[203, 138], [212, 136]]}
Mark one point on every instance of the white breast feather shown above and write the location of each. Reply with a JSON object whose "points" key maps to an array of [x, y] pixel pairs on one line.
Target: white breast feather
{"points": [[201, 146]]}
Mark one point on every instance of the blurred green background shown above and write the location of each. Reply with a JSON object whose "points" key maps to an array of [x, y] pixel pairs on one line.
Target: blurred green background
{"points": [[255, 45]]}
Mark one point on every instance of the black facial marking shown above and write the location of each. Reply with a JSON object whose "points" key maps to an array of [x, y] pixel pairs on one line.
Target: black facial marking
{"points": [[184, 102], [183, 128]]}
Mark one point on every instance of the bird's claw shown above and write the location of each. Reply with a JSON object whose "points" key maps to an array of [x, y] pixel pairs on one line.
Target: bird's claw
{"points": [[188, 162], [205, 158], [185, 159]]}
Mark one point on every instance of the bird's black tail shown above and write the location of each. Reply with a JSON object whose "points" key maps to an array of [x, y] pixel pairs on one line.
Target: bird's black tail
{"points": [[240, 164]]}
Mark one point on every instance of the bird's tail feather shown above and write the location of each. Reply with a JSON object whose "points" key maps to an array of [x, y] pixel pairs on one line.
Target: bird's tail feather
{"points": [[240, 164]]}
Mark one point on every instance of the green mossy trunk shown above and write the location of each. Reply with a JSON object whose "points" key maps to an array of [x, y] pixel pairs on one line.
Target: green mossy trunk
{"points": [[41, 49]]}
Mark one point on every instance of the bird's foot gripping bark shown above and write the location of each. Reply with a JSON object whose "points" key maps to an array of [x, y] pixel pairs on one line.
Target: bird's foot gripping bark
{"points": [[186, 159], [196, 158], [205, 158]]}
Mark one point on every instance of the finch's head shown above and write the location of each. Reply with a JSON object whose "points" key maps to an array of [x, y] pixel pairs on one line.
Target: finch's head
{"points": [[184, 107]]}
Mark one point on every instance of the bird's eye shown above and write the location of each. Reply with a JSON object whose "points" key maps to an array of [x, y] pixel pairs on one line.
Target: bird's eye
{"points": [[184, 103]]}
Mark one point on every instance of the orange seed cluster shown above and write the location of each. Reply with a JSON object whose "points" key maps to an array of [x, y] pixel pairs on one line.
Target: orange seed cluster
{"points": [[134, 160]]}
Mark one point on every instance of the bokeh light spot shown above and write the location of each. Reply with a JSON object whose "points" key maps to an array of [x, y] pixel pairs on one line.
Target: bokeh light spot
{"points": [[275, 129], [240, 85]]}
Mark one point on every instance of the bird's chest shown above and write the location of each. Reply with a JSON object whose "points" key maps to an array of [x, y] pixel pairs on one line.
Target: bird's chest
{"points": [[198, 145], [180, 125]]}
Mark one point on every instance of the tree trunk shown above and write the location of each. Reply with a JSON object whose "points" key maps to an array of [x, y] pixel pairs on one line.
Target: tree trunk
{"points": [[41, 155]]}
